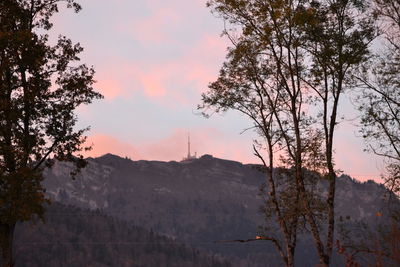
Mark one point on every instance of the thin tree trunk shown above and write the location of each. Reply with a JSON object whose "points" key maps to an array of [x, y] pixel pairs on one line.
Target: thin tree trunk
{"points": [[290, 253], [324, 261], [6, 239], [332, 175]]}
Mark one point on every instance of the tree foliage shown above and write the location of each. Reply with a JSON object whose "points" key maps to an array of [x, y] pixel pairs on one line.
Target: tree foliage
{"points": [[289, 63], [41, 85], [380, 99]]}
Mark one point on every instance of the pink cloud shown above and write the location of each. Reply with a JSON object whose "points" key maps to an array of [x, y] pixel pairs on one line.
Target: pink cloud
{"points": [[158, 19], [120, 78], [169, 148], [152, 84], [206, 141], [173, 146], [163, 22], [174, 82], [194, 66], [204, 60], [152, 28], [352, 160], [110, 88], [103, 144]]}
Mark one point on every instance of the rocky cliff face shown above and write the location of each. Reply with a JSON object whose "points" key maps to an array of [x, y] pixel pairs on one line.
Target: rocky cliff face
{"points": [[197, 201]]}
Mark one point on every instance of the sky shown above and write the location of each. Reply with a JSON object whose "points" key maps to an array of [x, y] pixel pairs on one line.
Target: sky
{"points": [[153, 59]]}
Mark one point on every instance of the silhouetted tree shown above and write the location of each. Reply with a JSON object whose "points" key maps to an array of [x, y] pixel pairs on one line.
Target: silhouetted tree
{"points": [[40, 88], [380, 100], [337, 36], [379, 103], [288, 59]]}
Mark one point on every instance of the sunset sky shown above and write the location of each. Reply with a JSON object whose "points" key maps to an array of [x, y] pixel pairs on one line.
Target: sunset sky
{"points": [[153, 59]]}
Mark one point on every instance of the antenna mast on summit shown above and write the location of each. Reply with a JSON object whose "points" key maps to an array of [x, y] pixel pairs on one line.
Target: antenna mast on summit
{"points": [[189, 156]]}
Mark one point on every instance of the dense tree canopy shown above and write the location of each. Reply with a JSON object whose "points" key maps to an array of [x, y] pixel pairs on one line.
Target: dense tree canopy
{"points": [[41, 85]]}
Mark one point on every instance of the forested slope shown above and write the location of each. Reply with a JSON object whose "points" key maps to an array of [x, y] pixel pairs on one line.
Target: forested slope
{"points": [[76, 237]]}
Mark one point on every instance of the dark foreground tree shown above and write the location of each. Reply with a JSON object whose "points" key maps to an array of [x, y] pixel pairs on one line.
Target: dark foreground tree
{"points": [[40, 87]]}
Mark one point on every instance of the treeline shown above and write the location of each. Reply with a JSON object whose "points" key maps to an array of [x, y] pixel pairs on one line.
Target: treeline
{"points": [[72, 236]]}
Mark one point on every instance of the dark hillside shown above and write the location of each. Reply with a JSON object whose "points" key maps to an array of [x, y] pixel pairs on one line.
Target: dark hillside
{"points": [[199, 201], [75, 237]]}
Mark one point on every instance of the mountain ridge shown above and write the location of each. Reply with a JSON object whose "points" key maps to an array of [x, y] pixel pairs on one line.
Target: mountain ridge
{"points": [[197, 201]]}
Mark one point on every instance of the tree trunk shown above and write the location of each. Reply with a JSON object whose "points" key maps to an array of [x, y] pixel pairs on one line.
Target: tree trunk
{"points": [[290, 253], [6, 242]]}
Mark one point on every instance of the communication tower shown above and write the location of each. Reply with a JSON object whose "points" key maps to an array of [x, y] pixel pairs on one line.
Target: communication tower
{"points": [[189, 156]]}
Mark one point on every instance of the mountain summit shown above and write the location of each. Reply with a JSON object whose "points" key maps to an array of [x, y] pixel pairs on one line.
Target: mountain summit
{"points": [[198, 201]]}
